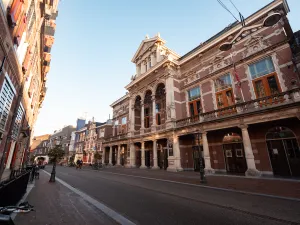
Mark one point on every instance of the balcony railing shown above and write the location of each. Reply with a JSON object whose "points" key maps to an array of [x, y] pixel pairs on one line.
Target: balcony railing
{"points": [[161, 127], [256, 105], [147, 130]]}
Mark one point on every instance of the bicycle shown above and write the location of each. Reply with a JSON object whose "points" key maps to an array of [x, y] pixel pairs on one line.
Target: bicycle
{"points": [[97, 166], [5, 212]]}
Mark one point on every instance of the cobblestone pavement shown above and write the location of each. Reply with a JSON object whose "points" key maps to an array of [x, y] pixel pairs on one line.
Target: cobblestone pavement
{"points": [[56, 205]]}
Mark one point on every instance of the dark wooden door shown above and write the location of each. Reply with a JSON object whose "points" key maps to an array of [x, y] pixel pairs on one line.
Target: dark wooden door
{"points": [[293, 155], [147, 158], [278, 158], [235, 158]]}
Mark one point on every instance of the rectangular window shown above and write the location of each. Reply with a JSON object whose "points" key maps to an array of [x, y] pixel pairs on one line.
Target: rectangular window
{"points": [[6, 98], [194, 101], [124, 120], [17, 123], [261, 68], [194, 93], [223, 82], [116, 122]]}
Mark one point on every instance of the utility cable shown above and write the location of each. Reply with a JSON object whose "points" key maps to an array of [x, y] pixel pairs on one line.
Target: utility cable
{"points": [[222, 4]]}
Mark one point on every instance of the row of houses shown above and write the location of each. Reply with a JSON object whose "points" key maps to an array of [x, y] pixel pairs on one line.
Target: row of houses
{"points": [[41, 145], [27, 29], [233, 101]]}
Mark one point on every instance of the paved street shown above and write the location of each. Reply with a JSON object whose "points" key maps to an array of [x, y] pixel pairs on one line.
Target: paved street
{"points": [[144, 201]]}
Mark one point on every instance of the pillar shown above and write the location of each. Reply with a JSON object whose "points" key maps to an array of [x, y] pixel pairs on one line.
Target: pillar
{"points": [[207, 168], [110, 156], [143, 67], [118, 156], [11, 152], [132, 118], [155, 166], [142, 116], [103, 156], [153, 113], [251, 171], [132, 155], [153, 59], [176, 152], [138, 70], [170, 98], [143, 156], [158, 58]]}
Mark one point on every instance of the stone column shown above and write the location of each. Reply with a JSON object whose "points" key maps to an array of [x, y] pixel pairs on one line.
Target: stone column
{"points": [[153, 59], [142, 116], [207, 168], [176, 152], [153, 113], [110, 156], [132, 119], [170, 99], [155, 166], [158, 57], [132, 155], [119, 155], [138, 69], [143, 68], [251, 171], [143, 156], [103, 156]]}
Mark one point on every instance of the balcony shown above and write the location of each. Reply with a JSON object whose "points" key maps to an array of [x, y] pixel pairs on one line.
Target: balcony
{"points": [[47, 56], [47, 49], [261, 104], [45, 63], [49, 30], [49, 40], [54, 15]]}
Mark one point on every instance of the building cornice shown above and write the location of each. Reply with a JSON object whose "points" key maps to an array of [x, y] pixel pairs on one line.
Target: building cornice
{"points": [[119, 100]]}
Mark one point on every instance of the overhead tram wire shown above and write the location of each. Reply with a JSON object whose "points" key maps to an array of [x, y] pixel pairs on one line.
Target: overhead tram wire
{"points": [[224, 6], [240, 14]]}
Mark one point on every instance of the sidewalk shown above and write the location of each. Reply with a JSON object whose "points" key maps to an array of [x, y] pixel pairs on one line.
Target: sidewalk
{"points": [[55, 204], [268, 186]]}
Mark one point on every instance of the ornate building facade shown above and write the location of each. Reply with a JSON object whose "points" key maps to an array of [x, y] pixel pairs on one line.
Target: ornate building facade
{"points": [[26, 37], [239, 90]]}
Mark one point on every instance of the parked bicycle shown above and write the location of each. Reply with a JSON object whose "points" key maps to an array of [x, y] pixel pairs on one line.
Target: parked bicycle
{"points": [[6, 211], [97, 166]]}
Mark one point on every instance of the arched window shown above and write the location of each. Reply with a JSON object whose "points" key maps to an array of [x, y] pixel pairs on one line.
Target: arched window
{"points": [[147, 108], [160, 103]]}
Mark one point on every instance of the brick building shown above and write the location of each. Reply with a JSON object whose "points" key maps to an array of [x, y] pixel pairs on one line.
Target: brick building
{"points": [[88, 140], [239, 91], [27, 28]]}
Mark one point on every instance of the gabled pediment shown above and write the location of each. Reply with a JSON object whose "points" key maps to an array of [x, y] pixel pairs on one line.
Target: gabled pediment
{"points": [[145, 45]]}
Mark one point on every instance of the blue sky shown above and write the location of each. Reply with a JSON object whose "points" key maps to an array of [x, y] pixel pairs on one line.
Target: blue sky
{"points": [[95, 41]]}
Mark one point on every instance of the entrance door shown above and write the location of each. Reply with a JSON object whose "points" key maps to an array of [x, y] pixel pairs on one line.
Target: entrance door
{"points": [[285, 157], [235, 158], [147, 158], [293, 154], [165, 157], [278, 158]]}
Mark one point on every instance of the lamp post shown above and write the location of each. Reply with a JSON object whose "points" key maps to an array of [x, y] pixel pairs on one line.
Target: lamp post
{"points": [[56, 156], [201, 165]]}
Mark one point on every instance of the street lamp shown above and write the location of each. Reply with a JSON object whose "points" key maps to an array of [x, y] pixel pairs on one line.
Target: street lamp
{"points": [[56, 156], [201, 166]]}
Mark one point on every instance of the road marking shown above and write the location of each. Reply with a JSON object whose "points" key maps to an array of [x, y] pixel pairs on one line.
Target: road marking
{"points": [[208, 187], [109, 212]]}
